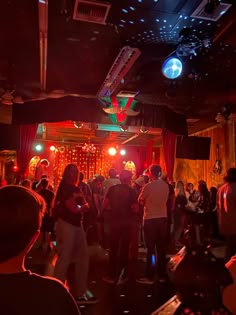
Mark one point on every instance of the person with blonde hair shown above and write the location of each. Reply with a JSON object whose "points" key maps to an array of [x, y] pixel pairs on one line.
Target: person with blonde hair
{"points": [[179, 212]]}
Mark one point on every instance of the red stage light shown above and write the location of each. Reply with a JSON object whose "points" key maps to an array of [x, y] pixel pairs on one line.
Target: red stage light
{"points": [[112, 151], [15, 168], [52, 148]]}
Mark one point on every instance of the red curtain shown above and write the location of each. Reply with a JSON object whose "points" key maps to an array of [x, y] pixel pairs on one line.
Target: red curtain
{"points": [[149, 156], [169, 142], [27, 137]]}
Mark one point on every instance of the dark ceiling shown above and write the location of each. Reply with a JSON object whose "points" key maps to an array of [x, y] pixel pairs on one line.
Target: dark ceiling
{"points": [[80, 54]]}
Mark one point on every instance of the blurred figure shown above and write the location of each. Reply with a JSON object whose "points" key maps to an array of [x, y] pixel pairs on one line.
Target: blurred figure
{"points": [[192, 196], [136, 232], [213, 212], [111, 181], [47, 228], [203, 202], [41, 169], [21, 212], [98, 197], [179, 212], [89, 217], [105, 219], [121, 201], [154, 197], [226, 201], [26, 183], [170, 205], [73, 259]]}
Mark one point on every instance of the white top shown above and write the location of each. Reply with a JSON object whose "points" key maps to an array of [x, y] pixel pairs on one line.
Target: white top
{"points": [[155, 195]]}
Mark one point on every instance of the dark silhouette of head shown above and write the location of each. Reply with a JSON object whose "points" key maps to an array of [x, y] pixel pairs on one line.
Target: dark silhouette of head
{"points": [[112, 173], [70, 174], [125, 177], [21, 212], [155, 171], [231, 175]]}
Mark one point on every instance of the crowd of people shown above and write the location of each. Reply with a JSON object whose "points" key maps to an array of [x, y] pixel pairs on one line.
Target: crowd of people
{"points": [[120, 212]]}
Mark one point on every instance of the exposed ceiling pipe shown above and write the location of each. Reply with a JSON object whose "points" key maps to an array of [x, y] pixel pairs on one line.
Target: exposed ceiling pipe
{"points": [[43, 40], [224, 29], [131, 138]]}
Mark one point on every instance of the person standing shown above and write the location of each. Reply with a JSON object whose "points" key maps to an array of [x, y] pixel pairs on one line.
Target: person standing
{"points": [[226, 210], [47, 228], [154, 197], [179, 212], [21, 291], [121, 201], [111, 181], [73, 259]]}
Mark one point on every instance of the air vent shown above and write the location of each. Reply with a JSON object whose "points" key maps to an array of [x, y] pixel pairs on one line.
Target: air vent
{"points": [[91, 11], [219, 10]]}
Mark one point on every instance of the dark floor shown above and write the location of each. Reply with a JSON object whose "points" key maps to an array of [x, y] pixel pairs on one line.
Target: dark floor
{"points": [[130, 298]]}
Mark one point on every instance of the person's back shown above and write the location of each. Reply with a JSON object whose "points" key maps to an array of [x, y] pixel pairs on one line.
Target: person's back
{"points": [[226, 208], [22, 292], [121, 197], [48, 195], [155, 195], [28, 293], [111, 181]]}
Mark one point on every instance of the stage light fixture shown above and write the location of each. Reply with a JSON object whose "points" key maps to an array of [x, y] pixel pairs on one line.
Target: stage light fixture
{"points": [[172, 68], [122, 152], [38, 147], [124, 128], [15, 168], [78, 124], [143, 129], [112, 151], [52, 148]]}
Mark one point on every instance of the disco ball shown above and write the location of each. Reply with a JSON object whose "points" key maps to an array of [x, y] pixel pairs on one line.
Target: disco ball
{"points": [[172, 68]]}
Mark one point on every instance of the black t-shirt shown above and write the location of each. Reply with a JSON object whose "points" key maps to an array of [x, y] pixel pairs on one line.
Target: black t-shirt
{"points": [[48, 196], [180, 203], [65, 193], [27, 293], [121, 197]]}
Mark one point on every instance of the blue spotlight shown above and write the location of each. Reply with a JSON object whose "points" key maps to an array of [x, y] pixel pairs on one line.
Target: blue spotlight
{"points": [[172, 68]]}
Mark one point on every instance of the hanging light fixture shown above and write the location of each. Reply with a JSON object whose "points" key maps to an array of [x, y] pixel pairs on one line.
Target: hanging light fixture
{"points": [[89, 147]]}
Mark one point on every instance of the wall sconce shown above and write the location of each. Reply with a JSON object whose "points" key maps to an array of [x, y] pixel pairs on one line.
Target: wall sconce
{"points": [[143, 129], [78, 124], [124, 128]]}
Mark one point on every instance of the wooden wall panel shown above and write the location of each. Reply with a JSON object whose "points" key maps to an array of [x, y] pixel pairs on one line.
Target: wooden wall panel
{"points": [[195, 170]]}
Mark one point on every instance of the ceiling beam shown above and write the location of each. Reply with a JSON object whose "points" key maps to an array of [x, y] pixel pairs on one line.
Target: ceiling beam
{"points": [[43, 40]]}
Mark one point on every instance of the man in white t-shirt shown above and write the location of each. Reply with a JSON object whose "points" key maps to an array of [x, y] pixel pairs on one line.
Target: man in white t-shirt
{"points": [[154, 197]]}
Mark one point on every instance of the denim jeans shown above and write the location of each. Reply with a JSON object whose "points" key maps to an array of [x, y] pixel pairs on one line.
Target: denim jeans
{"points": [[155, 234], [73, 259], [119, 250]]}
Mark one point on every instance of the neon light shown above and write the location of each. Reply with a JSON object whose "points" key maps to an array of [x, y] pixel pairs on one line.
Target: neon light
{"points": [[121, 103]]}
